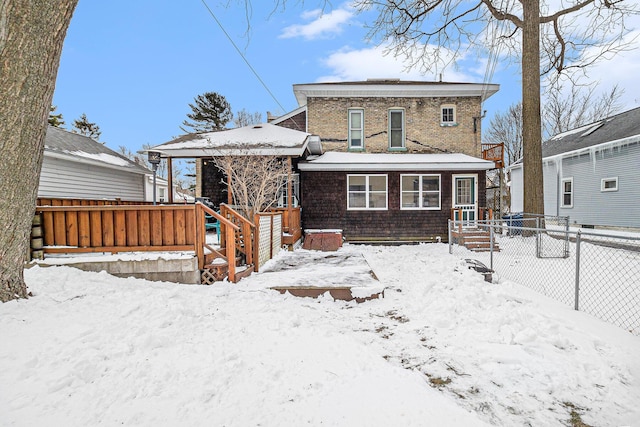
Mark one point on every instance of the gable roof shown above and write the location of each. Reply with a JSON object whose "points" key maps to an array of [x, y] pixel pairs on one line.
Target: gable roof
{"points": [[392, 88], [340, 161], [619, 129], [66, 145], [261, 139]]}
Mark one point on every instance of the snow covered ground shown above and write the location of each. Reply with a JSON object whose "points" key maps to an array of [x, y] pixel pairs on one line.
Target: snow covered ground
{"points": [[443, 348]]}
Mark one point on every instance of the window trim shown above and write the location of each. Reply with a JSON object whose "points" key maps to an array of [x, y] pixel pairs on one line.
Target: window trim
{"points": [[453, 122], [367, 193], [421, 192], [403, 147], [603, 189], [350, 147], [562, 192]]}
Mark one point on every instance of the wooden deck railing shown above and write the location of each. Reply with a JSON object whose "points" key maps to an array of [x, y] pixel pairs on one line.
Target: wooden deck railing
{"points": [[494, 153], [48, 201], [117, 228], [228, 231], [291, 224], [243, 237]]}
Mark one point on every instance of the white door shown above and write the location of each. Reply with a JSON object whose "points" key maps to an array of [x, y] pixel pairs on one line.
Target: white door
{"points": [[465, 199]]}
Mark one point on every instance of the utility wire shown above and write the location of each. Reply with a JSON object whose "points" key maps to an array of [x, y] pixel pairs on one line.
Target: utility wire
{"points": [[242, 56]]}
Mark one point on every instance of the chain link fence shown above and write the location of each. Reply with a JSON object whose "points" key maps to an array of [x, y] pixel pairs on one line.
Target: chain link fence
{"points": [[592, 272]]}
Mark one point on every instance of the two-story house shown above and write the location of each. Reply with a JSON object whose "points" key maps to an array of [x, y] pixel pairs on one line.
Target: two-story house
{"points": [[399, 155]]}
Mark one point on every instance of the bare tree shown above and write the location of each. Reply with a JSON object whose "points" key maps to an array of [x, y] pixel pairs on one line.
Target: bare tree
{"points": [[565, 111], [255, 180], [245, 118], [506, 128], [562, 112], [31, 38], [572, 37]]}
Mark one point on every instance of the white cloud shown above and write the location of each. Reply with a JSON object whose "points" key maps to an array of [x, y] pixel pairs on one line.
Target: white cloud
{"points": [[350, 64], [322, 24]]}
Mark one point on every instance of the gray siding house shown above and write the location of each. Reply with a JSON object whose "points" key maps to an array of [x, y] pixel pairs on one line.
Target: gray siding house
{"points": [[77, 167], [591, 174]]}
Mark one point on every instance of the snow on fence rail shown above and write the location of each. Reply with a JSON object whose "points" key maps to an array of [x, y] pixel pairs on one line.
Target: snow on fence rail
{"points": [[595, 273]]}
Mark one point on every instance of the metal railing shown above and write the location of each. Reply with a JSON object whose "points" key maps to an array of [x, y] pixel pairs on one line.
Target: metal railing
{"points": [[591, 272]]}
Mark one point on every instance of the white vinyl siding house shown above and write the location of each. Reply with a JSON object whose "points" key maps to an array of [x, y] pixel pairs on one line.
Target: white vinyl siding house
{"points": [[591, 174], [77, 167]]}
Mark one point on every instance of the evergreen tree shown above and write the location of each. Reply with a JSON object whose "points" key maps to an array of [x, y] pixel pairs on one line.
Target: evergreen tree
{"points": [[84, 127], [210, 112], [55, 119]]}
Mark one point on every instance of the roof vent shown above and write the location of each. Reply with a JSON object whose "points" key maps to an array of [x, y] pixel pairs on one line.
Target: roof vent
{"points": [[257, 127]]}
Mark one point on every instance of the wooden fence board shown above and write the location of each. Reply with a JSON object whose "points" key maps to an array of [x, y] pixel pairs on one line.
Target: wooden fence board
{"points": [[72, 228], [132, 228], [84, 229], [144, 228], [107, 228], [179, 227], [168, 228], [156, 228], [47, 224], [95, 218], [59, 229], [120, 231]]}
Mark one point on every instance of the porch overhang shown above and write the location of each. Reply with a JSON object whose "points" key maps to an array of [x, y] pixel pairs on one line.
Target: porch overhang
{"points": [[255, 140], [352, 162]]}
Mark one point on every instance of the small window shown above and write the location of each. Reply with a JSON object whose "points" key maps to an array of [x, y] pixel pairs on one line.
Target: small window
{"points": [[448, 115], [609, 184], [367, 192], [396, 129], [420, 192], [356, 129], [567, 193]]}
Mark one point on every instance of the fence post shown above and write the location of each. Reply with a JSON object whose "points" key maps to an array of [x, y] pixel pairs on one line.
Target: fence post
{"points": [[450, 239], [491, 237], [577, 271]]}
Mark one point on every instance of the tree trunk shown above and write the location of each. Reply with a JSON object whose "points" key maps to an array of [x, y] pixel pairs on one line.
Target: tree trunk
{"points": [[531, 121], [31, 37]]}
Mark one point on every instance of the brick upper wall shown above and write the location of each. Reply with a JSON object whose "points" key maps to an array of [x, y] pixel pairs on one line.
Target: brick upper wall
{"points": [[328, 118]]}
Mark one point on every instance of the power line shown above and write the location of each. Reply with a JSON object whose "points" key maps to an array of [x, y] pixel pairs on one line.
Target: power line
{"points": [[242, 55]]}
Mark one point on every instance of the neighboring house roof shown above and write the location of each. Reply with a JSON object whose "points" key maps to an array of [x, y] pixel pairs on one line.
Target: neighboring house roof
{"points": [[623, 128], [62, 144], [290, 114], [261, 139], [392, 88], [335, 161]]}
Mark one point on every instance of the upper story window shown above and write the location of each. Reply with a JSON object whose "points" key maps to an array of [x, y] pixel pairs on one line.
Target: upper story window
{"points": [[567, 193], [367, 192], [420, 191], [609, 184], [448, 115], [396, 129], [356, 129]]}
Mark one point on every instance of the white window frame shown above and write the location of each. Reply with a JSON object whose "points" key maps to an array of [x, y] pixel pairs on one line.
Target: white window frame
{"points": [[162, 194], [421, 192], [361, 129], [403, 130], [367, 192], [453, 122], [603, 182], [562, 192]]}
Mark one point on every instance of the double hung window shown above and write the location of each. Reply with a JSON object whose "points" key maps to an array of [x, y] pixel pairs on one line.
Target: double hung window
{"points": [[567, 193], [356, 129], [420, 192], [396, 129], [448, 115], [367, 192]]}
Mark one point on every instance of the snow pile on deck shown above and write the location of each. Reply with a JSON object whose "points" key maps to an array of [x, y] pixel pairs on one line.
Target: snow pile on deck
{"points": [[443, 348]]}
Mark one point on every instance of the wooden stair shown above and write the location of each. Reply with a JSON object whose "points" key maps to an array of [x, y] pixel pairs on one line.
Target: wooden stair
{"points": [[475, 240]]}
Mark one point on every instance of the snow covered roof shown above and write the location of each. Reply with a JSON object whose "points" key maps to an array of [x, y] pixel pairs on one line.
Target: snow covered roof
{"points": [[623, 128], [261, 139], [392, 88], [334, 161], [60, 143]]}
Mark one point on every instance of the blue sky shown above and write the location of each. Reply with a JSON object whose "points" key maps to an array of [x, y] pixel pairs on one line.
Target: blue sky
{"points": [[134, 66]]}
